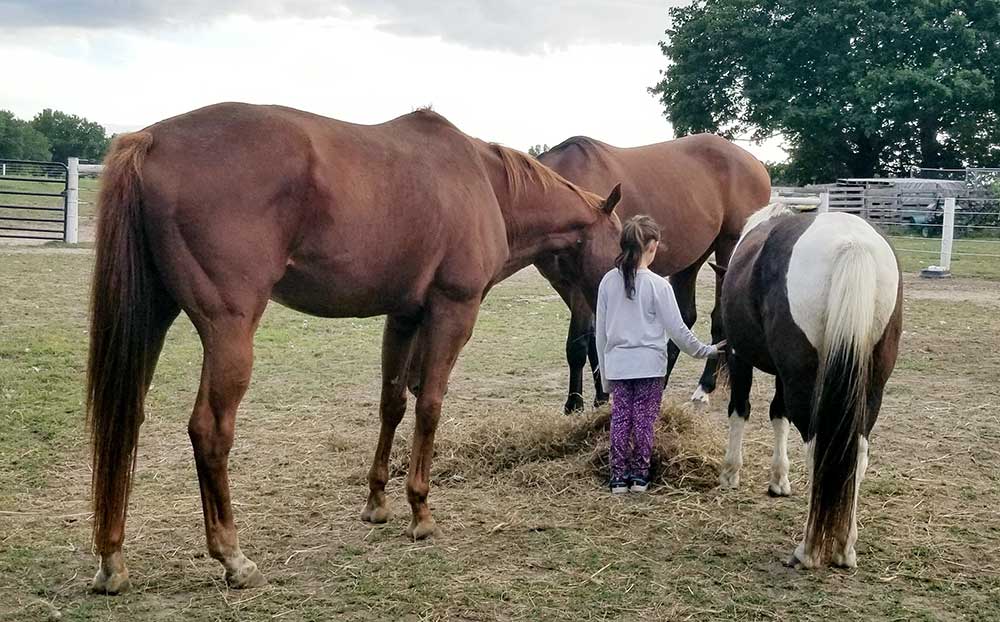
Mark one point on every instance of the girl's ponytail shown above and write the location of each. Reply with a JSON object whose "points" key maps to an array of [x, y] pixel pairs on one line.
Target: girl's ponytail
{"points": [[637, 233]]}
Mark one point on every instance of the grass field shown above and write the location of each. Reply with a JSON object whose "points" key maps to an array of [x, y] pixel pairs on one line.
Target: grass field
{"points": [[916, 254], [528, 531]]}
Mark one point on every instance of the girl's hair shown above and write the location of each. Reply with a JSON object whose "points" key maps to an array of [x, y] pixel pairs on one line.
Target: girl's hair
{"points": [[637, 233]]}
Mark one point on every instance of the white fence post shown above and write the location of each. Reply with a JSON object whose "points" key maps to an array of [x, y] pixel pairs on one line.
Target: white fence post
{"points": [[824, 202], [71, 235], [947, 236], [947, 233]]}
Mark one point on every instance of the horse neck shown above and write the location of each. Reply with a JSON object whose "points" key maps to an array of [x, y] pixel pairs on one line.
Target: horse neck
{"points": [[540, 216], [542, 221]]}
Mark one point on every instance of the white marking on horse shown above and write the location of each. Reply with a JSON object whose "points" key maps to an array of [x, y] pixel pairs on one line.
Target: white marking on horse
{"points": [[779, 485], [830, 240], [700, 396], [730, 475]]}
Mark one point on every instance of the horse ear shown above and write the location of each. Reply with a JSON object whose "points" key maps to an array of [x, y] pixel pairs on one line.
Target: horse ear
{"points": [[719, 270], [612, 201]]}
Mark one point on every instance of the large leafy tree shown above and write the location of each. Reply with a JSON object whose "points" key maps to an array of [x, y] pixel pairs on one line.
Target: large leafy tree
{"points": [[20, 141], [856, 87], [71, 136]]}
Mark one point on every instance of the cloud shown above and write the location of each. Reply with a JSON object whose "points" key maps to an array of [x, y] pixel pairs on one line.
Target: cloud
{"points": [[522, 26]]}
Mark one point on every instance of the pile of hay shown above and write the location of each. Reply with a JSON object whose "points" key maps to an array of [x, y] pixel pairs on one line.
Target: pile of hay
{"points": [[549, 448]]}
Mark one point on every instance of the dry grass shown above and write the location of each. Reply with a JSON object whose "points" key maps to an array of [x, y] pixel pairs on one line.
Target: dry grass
{"points": [[540, 451], [529, 532]]}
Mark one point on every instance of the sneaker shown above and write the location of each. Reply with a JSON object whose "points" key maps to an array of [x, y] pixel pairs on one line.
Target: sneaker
{"points": [[639, 484], [619, 486]]}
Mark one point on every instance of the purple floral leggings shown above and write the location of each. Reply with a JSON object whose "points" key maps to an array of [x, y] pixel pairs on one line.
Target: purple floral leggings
{"points": [[635, 404]]}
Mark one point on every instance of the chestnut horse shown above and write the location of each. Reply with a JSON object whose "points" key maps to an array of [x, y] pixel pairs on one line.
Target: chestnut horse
{"points": [[815, 300], [217, 211], [700, 189]]}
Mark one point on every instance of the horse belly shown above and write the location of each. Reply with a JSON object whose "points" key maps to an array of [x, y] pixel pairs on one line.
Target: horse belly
{"points": [[332, 294]]}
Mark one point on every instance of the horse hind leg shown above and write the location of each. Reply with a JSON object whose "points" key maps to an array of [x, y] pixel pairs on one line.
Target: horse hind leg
{"points": [[741, 381], [844, 553], [228, 360], [112, 574], [397, 348], [779, 486]]}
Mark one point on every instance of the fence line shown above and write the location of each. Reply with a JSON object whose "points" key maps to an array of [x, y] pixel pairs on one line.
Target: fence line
{"points": [[946, 215]]}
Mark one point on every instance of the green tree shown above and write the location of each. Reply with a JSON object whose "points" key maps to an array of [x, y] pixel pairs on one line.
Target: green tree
{"points": [[20, 141], [780, 173], [71, 136], [537, 150], [856, 87]]}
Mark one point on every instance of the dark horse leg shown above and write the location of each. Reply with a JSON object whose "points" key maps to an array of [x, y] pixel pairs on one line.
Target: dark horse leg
{"points": [[740, 382], [779, 485], [724, 246], [581, 345], [227, 337], [447, 326], [684, 284], [600, 397], [112, 575], [397, 347]]}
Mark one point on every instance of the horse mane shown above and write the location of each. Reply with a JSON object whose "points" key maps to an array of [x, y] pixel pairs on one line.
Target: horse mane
{"points": [[769, 211], [521, 169]]}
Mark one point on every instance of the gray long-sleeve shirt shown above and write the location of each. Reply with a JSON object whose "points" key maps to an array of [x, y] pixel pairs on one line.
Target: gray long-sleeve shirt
{"points": [[632, 333]]}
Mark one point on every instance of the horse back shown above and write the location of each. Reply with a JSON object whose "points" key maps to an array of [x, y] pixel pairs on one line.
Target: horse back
{"points": [[328, 213], [697, 188]]}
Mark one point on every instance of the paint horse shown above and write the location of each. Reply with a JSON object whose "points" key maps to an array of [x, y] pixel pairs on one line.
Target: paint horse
{"points": [[217, 211], [815, 300], [700, 189]]}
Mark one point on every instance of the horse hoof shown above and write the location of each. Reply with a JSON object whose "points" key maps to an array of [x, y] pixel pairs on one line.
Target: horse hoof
{"points": [[601, 400], [376, 515], [110, 583], [574, 404], [245, 577], [422, 530], [794, 563], [784, 489], [700, 397], [799, 560], [845, 560], [729, 480]]}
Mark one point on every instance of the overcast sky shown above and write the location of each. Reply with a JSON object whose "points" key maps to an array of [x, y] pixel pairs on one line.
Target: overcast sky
{"points": [[519, 72]]}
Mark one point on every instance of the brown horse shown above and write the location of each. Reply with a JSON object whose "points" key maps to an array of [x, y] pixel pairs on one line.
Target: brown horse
{"points": [[700, 189], [817, 301], [219, 210]]}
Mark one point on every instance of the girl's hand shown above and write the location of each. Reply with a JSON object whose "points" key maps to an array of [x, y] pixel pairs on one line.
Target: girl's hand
{"points": [[720, 348]]}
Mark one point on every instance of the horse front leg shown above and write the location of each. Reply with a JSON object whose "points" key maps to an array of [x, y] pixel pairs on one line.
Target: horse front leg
{"points": [[447, 327], [779, 486], [724, 247], [577, 351], [741, 381]]}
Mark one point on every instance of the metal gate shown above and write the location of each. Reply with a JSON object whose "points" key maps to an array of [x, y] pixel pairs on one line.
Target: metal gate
{"points": [[33, 200]]}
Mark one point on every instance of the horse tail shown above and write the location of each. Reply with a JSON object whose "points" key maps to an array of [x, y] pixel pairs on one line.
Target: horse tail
{"points": [[120, 320], [840, 405]]}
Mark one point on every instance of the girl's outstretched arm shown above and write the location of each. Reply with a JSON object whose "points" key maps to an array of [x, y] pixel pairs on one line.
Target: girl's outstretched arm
{"points": [[670, 314]]}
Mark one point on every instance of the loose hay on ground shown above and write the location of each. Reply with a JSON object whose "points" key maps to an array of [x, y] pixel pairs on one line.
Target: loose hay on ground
{"points": [[543, 450]]}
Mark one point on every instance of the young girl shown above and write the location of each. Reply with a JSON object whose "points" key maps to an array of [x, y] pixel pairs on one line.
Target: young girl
{"points": [[636, 314]]}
